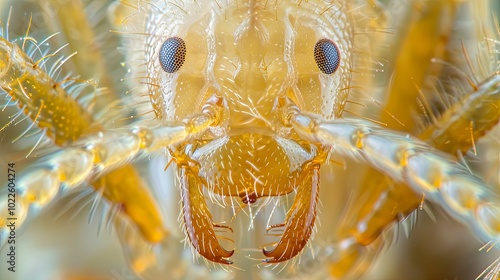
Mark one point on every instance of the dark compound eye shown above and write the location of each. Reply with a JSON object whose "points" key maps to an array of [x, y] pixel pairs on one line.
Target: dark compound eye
{"points": [[172, 54], [327, 56]]}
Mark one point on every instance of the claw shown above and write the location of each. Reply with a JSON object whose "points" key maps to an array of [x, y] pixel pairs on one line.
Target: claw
{"points": [[198, 220], [300, 218], [223, 226], [271, 227]]}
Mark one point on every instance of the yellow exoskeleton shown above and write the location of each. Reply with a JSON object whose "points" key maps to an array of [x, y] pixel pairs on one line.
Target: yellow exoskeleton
{"points": [[241, 110]]}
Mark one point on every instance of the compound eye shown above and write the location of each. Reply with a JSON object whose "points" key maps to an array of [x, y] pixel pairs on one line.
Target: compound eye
{"points": [[327, 56], [172, 54]]}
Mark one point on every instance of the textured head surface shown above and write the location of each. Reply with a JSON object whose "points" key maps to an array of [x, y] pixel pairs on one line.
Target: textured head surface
{"points": [[249, 52]]}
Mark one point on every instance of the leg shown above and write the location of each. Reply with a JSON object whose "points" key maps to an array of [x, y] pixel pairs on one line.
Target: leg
{"points": [[413, 162]]}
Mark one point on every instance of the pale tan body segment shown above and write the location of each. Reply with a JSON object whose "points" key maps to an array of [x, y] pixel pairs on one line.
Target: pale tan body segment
{"points": [[251, 60], [260, 120]]}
